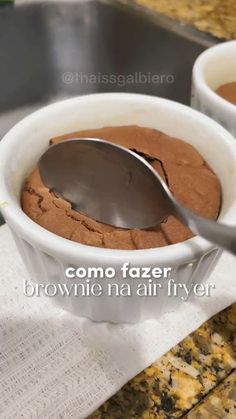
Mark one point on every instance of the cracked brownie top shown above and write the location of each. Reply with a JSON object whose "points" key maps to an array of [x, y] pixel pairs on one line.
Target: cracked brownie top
{"points": [[189, 178]]}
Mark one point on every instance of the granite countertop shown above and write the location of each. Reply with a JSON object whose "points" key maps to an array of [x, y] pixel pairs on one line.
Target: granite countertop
{"points": [[220, 403], [217, 17], [180, 380]]}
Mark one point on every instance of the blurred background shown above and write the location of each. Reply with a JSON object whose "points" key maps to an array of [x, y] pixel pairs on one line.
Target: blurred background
{"points": [[51, 50]]}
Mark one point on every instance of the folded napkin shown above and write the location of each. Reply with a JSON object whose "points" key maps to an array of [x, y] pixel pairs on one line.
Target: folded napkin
{"points": [[55, 365]]}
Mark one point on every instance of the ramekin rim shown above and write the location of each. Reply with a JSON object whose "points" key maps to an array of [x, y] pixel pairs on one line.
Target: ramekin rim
{"points": [[198, 76], [52, 243]]}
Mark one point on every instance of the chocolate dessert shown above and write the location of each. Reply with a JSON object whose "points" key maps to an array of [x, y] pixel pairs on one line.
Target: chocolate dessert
{"points": [[187, 175], [228, 92]]}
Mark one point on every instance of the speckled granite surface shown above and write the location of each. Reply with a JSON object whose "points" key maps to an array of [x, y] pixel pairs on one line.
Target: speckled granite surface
{"points": [[178, 381], [217, 17], [220, 403]]}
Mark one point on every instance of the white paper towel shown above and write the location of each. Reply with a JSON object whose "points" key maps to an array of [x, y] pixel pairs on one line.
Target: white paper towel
{"points": [[55, 365]]}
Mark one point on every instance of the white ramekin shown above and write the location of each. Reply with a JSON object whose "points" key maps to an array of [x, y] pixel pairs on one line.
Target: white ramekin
{"points": [[213, 68], [47, 255]]}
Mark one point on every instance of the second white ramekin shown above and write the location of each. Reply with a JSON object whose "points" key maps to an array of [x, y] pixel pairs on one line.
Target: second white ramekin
{"points": [[47, 255], [213, 68]]}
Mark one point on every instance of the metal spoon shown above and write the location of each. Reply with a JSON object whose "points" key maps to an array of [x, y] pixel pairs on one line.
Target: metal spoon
{"points": [[115, 186]]}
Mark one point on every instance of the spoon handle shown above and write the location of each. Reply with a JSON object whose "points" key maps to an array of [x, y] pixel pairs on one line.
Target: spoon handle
{"points": [[220, 234]]}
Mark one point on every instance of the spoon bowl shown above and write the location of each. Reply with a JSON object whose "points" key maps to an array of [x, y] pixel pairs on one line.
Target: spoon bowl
{"points": [[106, 182], [116, 186]]}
